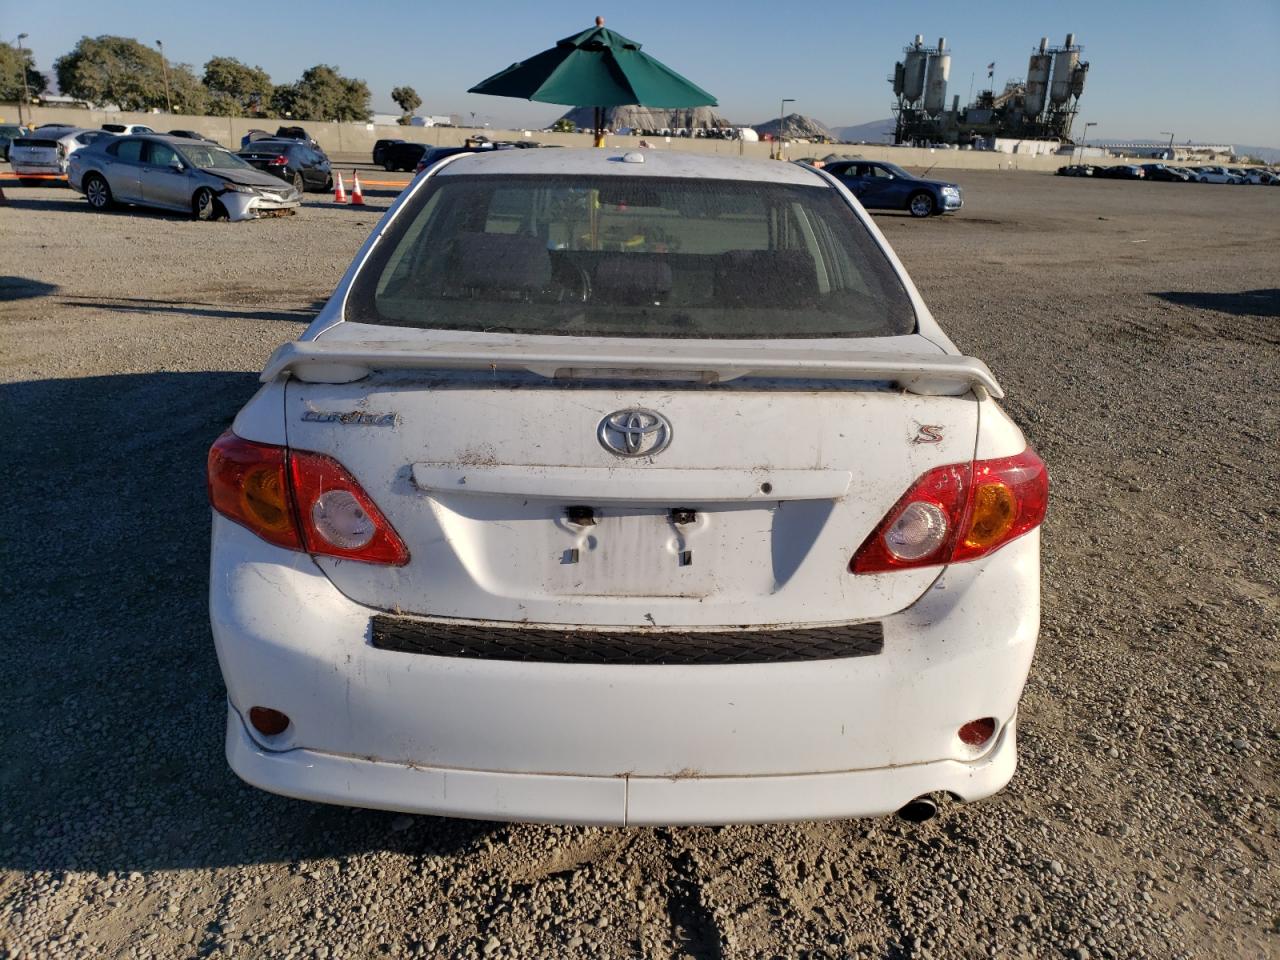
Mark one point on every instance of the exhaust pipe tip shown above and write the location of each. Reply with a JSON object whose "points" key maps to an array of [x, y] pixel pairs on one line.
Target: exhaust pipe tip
{"points": [[919, 810]]}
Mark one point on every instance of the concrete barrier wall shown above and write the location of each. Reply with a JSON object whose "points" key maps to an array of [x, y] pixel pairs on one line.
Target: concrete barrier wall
{"points": [[352, 142]]}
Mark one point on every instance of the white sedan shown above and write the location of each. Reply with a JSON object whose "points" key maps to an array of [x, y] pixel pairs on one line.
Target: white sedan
{"points": [[629, 489]]}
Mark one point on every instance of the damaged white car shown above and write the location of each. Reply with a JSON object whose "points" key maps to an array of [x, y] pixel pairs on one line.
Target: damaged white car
{"points": [[630, 489], [173, 173]]}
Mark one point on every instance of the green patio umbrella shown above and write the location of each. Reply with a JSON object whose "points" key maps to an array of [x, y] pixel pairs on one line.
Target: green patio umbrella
{"points": [[596, 68]]}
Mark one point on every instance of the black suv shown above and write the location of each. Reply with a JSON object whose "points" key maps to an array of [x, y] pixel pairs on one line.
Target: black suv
{"points": [[403, 155], [302, 164], [380, 149]]}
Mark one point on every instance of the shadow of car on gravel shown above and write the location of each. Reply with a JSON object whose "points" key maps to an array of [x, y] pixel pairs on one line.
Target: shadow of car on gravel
{"points": [[113, 719], [1248, 303], [198, 308], [24, 288]]}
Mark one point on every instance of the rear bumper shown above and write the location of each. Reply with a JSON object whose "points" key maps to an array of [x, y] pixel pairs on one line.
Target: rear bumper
{"points": [[574, 742], [617, 801]]}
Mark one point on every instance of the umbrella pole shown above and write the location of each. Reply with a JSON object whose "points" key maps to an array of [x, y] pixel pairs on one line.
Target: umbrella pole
{"points": [[599, 133]]}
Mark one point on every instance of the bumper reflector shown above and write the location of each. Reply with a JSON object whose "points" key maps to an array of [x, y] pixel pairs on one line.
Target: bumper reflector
{"points": [[977, 732], [268, 722]]}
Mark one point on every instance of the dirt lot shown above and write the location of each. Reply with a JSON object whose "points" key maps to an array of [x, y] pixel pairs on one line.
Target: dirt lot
{"points": [[1135, 329]]}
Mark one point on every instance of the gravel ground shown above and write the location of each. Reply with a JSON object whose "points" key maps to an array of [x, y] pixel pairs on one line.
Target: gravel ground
{"points": [[1135, 329]]}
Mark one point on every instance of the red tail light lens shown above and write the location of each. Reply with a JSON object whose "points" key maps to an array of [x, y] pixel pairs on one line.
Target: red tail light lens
{"points": [[299, 500], [958, 512], [338, 518], [278, 162]]}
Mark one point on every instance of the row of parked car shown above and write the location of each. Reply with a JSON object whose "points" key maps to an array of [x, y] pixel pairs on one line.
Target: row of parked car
{"points": [[290, 154], [1172, 174]]}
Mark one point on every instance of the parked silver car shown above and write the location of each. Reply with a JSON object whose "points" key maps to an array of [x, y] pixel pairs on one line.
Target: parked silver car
{"points": [[173, 173], [44, 153]]}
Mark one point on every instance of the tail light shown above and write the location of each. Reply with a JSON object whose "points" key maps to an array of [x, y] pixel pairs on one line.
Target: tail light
{"points": [[278, 162], [958, 512], [300, 500]]}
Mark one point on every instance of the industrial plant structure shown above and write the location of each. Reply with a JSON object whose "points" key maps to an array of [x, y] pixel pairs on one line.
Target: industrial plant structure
{"points": [[1043, 107]]}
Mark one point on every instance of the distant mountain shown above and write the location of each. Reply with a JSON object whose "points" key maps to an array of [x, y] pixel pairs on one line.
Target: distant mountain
{"points": [[877, 131], [794, 125]]}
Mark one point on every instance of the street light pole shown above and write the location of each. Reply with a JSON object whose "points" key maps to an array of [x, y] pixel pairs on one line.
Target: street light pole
{"points": [[164, 68], [1162, 133], [782, 110], [22, 69], [1084, 139]]}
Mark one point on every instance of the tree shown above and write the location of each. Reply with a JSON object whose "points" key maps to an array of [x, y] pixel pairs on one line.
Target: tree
{"points": [[407, 99], [237, 89], [186, 91], [564, 125], [323, 94], [12, 65], [117, 70]]}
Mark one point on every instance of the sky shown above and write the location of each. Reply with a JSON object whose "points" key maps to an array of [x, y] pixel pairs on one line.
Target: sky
{"points": [[1202, 72]]}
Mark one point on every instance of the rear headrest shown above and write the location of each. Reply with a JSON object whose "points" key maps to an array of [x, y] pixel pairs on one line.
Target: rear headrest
{"points": [[502, 261], [633, 277], [766, 277]]}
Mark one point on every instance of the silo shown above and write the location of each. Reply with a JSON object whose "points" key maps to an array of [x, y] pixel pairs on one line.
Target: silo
{"points": [[899, 72], [1078, 78], [1064, 66], [1038, 79], [913, 74], [937, 72]]}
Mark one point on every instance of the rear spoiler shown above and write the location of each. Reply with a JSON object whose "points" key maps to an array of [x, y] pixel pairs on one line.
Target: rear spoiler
{"points": [[339, 361]]}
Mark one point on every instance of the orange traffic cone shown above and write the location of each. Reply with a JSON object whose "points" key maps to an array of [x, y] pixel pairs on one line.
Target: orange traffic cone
{"points": [[357, 196], [340, 191]]}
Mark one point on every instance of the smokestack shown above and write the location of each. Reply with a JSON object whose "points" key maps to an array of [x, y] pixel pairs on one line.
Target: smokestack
{"points": [[1044, 44], [919, 39], [1071, 39], [942, 44]]}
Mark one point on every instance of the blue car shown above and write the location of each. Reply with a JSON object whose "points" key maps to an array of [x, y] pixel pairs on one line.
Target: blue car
{"points": [[886, 186]]}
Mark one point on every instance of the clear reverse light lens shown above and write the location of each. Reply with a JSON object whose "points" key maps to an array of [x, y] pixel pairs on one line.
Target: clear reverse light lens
{"points": [[918, 532], [339, 518]]}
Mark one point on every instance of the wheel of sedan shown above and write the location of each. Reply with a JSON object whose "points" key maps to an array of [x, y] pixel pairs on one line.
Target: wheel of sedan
{"points": [[299, 184], [388, 166], [204, 205], [97, 192], [921, 205]]}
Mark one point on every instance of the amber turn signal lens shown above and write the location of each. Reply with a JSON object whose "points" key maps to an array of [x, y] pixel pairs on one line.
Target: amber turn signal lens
{"points": [[264, 498], [268, 722], [994, 510]]}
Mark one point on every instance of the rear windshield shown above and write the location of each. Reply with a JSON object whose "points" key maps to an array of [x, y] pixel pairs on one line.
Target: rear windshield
{"points": [[630, 257]]}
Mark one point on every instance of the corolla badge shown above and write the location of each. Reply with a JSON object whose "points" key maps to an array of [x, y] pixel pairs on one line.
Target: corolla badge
{"points": [[634, 433]]}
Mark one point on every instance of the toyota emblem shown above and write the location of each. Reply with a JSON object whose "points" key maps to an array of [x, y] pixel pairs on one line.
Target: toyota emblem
{"points": [[634, 433]]}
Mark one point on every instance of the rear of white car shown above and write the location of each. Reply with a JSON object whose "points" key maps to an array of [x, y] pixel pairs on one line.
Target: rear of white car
{"points": [[625, 490], [36, 157]]}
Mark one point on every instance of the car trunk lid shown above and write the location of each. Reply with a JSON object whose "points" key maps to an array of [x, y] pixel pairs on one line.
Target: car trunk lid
{"points": [[496, 470]]}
